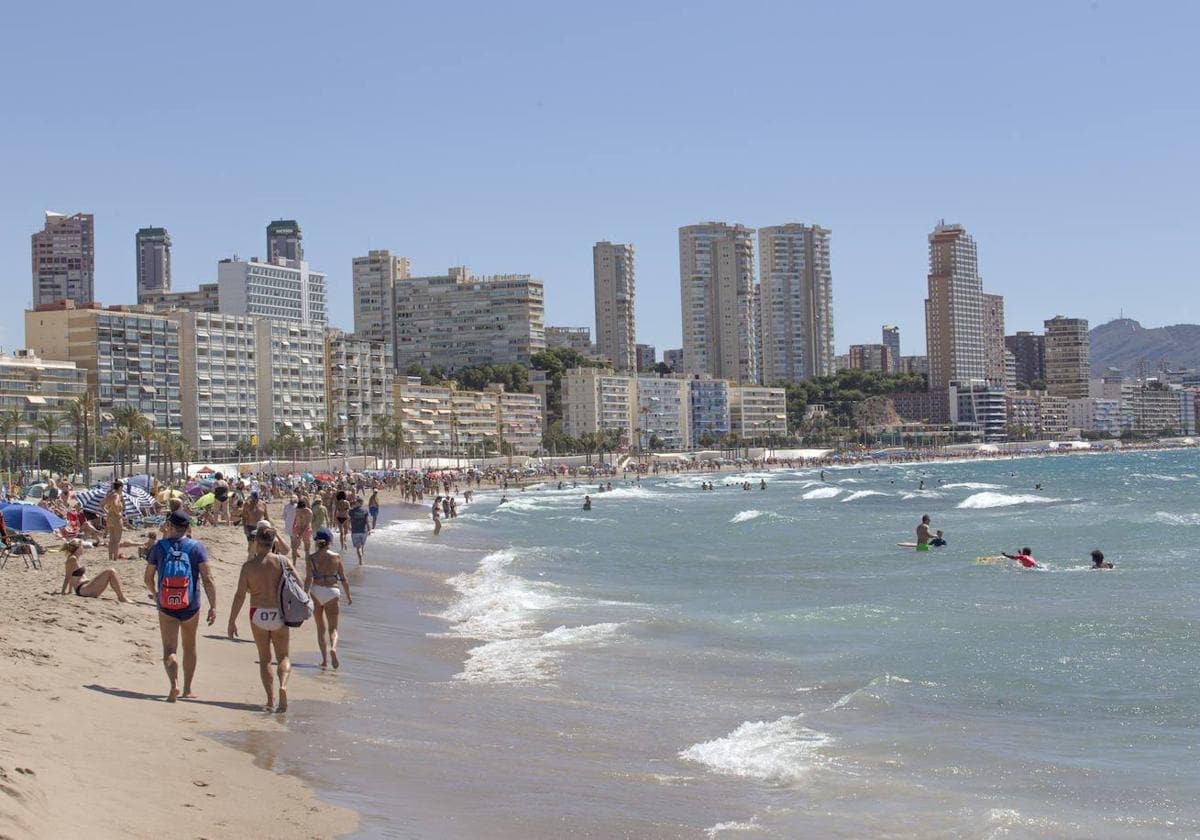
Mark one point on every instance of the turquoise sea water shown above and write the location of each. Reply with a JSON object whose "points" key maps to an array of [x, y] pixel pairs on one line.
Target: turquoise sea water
{"points": [[767, 663]]}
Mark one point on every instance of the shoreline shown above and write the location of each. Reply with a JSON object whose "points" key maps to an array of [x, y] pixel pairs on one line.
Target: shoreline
{"points": [[90, 699]]}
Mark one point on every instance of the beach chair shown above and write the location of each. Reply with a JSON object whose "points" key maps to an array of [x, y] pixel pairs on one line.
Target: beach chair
{"points": [[25, 546]]}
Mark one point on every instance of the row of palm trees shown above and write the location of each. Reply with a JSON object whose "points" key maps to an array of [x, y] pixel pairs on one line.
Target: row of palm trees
{"points": [[131, 433]]}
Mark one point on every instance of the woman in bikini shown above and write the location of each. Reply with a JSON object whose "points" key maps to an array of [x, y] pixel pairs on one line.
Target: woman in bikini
{"points": [[75, 576], [325, 580], [113, 508], [341, 514]]}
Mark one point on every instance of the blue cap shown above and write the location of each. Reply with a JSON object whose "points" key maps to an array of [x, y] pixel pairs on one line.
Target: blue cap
{"points": [[324, 535], [179, 519]]}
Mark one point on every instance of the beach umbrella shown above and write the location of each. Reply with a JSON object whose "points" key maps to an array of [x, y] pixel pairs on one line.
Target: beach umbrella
{"points": [[205, 471], [167, 494], [143, 481], [137, 500], [204, 501], [30, 518]]}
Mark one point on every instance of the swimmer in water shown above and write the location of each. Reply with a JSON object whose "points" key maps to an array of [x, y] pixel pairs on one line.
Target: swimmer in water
{"points": [[1024, 557], [587, 502], [938, 541], [1098, 561]]}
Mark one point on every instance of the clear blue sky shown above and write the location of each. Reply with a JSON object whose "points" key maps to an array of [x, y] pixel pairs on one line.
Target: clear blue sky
{"points": [[1062, 134]]}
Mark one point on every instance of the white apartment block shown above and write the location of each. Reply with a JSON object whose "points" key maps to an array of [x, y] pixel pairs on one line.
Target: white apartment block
{"points": [[374, 279], [291, 379], [757, 412], [1095, 414], [1068, 362], [218, 375], [439, 421], [358, 388], [954, 327], [796, 303], [716, 277], [663, 412], [597, 399], [33, 387], [614, 286], [284, 290], [457, 320]]}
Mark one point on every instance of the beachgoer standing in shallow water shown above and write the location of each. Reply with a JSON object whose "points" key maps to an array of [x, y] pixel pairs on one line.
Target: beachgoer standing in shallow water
{"points": [[175, 568], [436, 512], [360, 526], [373, 509], [260, 579], [341, 515], [924, 535], [325, 580]]}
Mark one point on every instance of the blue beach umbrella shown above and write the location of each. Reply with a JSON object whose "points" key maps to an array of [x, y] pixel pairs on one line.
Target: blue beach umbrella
{"points": [[30, 518]]}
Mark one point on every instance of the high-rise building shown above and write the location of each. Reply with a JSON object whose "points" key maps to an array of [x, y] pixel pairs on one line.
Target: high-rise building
{"points": [[284, 241], [1029, 351], [131, 357], [153, 262], [674, 359], [891, 340], [613, 276], [647, 357], [64, 259], [708, 405], [716, 276], [456, 320], [993, 338], [374, 280], [954, 331], [796, 302], [218, 375], [358, 387], [284, 290], [291, 379], [1068, 361]]}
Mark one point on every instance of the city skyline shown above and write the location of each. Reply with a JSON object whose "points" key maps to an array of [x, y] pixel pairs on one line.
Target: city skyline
{"points": [[1119, 141]]}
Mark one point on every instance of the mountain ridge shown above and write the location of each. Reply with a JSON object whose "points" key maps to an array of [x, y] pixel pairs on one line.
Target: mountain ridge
{"points": [[1125, 344]]}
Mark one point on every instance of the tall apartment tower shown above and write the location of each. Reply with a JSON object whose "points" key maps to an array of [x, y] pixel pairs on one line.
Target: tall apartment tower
{"points": [[284, 240], [891, 340], [153, 262], [64, 259], [374, 282], [1029, 352], [993, 338], [1068, 357], [954, 308], [716, 278], [613, 277], [797, 302]]}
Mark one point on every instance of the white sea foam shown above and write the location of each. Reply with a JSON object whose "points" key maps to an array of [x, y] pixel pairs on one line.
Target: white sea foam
{"points": [[1177, 518], [862, 494], [747, 515], [989, 499], [822, 493], [780, 751], [531, 659], [494, 604], [921, 494], [972, 485], [720, 828]]}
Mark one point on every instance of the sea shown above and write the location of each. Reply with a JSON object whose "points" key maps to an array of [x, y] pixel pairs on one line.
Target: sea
{"points": [[768, 663]]}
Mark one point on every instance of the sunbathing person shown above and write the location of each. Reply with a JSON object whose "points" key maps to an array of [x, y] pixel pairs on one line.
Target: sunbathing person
{"points": [[75, 576]]}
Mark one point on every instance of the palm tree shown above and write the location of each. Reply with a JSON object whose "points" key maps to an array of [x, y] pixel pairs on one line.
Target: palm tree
{"points": [[10, 422], [144, 426], [120, 440], [128, 419], [51, 424], [78, 417], [31, 440]]}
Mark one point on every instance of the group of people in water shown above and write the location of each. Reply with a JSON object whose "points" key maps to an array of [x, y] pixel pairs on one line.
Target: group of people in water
{"points": [[927, 538]]}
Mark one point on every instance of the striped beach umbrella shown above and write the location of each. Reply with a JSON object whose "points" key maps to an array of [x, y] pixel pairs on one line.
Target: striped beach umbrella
{"points": [[137, 500]]}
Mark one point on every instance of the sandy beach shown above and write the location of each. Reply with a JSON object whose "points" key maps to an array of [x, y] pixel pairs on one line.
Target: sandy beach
{"points": [[90, 747]]}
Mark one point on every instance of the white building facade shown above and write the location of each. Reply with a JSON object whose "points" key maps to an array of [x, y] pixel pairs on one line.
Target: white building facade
{"points": [[284, 290]]}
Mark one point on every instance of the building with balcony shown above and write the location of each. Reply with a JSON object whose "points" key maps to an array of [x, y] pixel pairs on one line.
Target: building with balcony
{"points": [[1068, 362], [663, 414], [708, 411], [980, 406], [1037, 414], [283, 290], [207, 298], [291, 379], [757, 412], [35, 387], [578, 339], [795, 302], [615, 286], [716, 277], [64, 259], [374, 279], [359, 375], [1095, 414], [599, 400], [218, 382], [875, 357]]}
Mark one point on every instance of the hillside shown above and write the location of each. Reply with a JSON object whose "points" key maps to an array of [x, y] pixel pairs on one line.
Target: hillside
{"points": [[1124, 343]]}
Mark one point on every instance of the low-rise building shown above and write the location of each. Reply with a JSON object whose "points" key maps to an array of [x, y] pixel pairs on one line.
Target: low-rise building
{"points": [[207, 298], [447, 422], [708, 403], [981, 406], [522, 421], [598, 400], [1095, 414], [358, 388], [663, 413], [35, 387], [1149, 408], [1037, 414], [757, 412]]}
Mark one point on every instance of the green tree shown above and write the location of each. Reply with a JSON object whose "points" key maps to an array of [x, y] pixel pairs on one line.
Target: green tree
{"points": [[57, 458]]}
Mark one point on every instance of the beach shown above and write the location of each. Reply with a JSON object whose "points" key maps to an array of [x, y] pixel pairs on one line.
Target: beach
{"points": [[90, 747]]}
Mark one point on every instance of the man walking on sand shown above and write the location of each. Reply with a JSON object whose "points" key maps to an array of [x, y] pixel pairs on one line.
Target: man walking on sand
{"points": [[175, 568], [260, 579]]}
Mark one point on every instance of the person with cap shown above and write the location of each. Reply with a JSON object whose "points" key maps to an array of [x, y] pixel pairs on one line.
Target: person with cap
{"points": [[325, 579], [360, 526], [175, 568]]}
